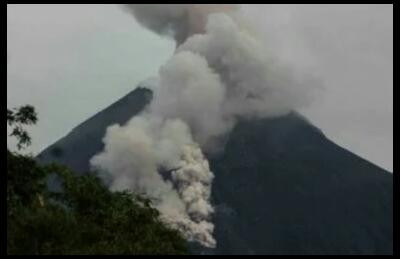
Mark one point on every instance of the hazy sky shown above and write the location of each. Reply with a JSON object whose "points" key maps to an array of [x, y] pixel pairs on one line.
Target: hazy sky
{"points": [[71, 61]]}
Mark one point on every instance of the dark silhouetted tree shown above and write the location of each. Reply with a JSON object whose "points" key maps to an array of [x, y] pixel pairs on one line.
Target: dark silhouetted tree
{"points": [[17, 119], [82, 217]]}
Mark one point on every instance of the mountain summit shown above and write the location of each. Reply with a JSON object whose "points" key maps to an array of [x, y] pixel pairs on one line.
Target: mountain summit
{"points": [[281, 187]]}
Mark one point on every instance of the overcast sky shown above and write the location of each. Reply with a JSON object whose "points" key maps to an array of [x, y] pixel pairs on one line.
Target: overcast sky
{"points": [[71, 61]]}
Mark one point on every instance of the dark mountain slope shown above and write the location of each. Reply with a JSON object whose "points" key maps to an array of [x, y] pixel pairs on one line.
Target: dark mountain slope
{"points": [[281, 186], [84, 141]]}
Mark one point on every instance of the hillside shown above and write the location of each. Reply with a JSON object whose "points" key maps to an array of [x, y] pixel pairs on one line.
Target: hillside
{"points": [[281, 186]]}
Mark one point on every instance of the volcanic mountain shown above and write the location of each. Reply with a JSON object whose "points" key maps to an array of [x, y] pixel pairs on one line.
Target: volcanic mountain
{"points": [[281, 186]]}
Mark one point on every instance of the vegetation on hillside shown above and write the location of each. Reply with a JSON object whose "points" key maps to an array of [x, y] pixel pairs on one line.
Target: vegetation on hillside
{"points": [[82, 216]]}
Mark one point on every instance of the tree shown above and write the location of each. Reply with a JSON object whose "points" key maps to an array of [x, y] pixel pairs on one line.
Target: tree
{"points": [[17, 118], [82, 217]]}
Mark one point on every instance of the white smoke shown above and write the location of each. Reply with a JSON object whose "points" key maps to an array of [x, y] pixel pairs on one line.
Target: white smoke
{"points": [[190, 90], [178, 21], [135, 153], [220, 72]]}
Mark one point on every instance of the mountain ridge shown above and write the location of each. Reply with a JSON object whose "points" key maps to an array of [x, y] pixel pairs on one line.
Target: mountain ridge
{"points": [[281, 186]]}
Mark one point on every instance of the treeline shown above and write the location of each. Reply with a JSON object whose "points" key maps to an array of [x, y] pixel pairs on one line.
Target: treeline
{"points": [[81, 216]]}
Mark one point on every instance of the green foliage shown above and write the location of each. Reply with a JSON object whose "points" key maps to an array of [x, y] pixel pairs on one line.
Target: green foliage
{"points": [[84, 217], [25, 181], [17, 118]]}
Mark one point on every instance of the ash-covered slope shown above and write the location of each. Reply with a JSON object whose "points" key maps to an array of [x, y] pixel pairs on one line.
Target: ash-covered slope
{"points": [[281, 186]]}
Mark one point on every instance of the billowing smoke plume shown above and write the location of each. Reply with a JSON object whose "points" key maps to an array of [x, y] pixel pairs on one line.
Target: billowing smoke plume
{"points": [[135, 153], [176, 20], [220, 72]]}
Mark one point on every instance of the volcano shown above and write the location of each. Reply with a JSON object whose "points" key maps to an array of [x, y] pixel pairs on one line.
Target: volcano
{"points": [[281, 186]]}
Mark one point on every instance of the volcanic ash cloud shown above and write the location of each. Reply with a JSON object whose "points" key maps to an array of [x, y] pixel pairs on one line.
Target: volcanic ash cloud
{"points": [[220, 72]]}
